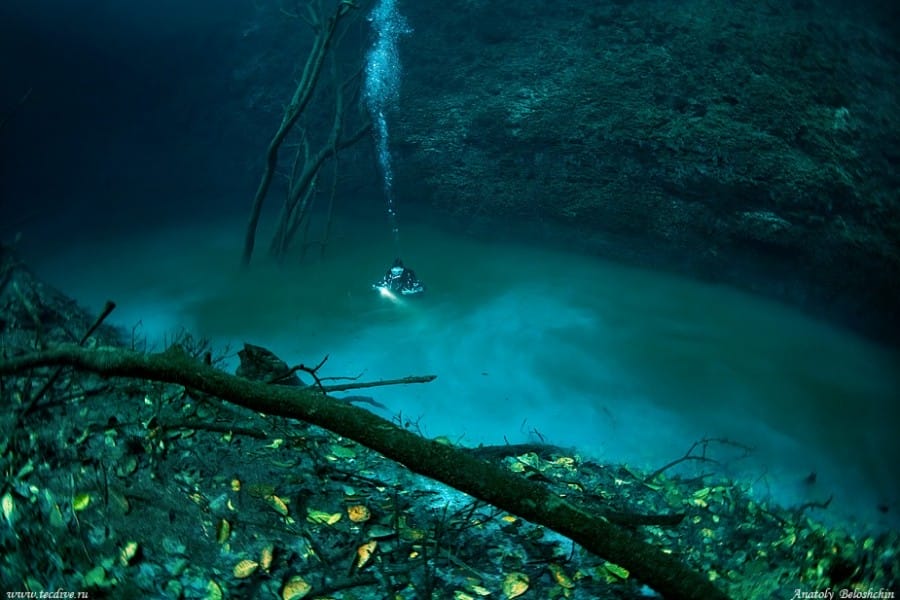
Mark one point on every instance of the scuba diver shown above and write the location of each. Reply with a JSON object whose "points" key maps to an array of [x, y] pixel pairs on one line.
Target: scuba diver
{"points": [[400, 280]]}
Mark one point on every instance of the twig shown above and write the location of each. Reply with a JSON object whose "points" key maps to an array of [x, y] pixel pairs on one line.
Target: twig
{"points": [[313, 371], [107, 309], [689, 455], [368, 384], [677, 461], [345, 377], [822, 505]]}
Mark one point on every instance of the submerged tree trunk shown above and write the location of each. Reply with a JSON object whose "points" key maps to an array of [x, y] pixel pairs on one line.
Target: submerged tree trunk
{"points": [[454, 467], [325, 32]]}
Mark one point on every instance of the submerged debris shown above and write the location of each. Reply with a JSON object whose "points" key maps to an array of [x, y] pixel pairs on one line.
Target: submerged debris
{"points": [[164, 492]]}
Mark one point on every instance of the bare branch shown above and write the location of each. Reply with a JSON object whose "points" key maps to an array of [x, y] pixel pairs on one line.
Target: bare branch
{"points": [[483, 480], [32, 402], [301, 98], [343, 387], [703, 444]]}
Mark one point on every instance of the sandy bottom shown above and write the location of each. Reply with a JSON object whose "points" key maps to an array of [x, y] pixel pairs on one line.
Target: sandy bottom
{"points": [[623, 364]]}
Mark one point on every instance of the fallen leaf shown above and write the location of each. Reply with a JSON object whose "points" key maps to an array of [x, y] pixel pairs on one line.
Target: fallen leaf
{"points": [[515, 584], [358, 513], [278, 504], [81, 501], [364, 553], [322, 518], [265, 556], [560, 576], [245, 568], [295, 588]]}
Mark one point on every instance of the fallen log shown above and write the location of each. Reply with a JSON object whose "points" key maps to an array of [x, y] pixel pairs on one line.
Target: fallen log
{"points": [[481, 479]]}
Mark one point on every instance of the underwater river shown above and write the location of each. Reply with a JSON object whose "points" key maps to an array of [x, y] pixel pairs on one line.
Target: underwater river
{"points": [[530, 344]]}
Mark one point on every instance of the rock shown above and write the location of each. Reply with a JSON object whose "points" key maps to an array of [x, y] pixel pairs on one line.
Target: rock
{"points": [[259, 364]]}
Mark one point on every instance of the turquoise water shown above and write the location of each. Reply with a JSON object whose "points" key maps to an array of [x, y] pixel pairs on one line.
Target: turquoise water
{"points": [[624, 364]]}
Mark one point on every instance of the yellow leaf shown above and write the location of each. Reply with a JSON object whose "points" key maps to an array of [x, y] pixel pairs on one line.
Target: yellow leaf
{"points": [[245, 568], [560, 576], [278, 504], [128, 552], [342, 452], [223, 531], [364, 553], [9, 506], [295, 588], [514, 585], [320, 517], [358, 513], [620, 572], [565, 461], [532, 460], [81, 501], [265, 556], [213, 591]]}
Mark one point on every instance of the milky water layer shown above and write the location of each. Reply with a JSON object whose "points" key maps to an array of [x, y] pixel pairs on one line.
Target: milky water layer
{"points": [[530, 344]]}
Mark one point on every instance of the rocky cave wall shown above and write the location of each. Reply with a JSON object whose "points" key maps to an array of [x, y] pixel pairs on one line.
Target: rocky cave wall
{"points": [[744, 142]]}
